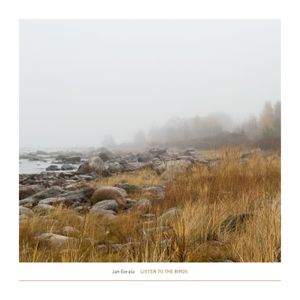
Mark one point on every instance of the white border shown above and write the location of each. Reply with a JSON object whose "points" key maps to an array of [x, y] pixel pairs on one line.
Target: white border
{"points": [[287, 11]]}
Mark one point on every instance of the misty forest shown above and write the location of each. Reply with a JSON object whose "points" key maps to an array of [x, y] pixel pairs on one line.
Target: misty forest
{"points": [[191, 175]]}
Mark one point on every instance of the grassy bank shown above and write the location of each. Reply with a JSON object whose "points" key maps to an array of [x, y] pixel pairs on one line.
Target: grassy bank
{"points": [[228, 211]]}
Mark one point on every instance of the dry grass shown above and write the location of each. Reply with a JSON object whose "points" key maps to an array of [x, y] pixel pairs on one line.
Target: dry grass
{"points": [[206, 196]]}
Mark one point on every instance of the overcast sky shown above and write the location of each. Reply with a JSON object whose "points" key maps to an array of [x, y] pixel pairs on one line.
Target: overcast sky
{"points": [[81, 80]]}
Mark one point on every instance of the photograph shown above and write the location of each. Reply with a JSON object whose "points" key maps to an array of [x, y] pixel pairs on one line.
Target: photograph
{"points": [[149, 141]]}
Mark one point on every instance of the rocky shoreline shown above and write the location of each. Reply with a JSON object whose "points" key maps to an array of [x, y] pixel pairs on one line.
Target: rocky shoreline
{"points": [[40, 194]]}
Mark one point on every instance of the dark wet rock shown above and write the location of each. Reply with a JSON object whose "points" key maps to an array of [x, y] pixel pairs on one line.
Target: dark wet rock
{"points": [[52, 168], [67, 167], [109, 192], [53, 191], [29, 190], [129, 188], [64, 159], [233, 223], [84, 177], [106, 205], [69, 198], [25, 211], [93, 165]]}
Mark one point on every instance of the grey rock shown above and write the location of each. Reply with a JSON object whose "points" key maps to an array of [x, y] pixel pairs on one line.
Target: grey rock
{"points": [[25, 211], [43, 208], [106, 205], [93, 165], [67, 167], [53, 191], [129, 188], [133, 166], [29, 190], [55, 240], [52, 201], [109, 192], [52, 168], [114, 167], [106, 155], [70, 198]]}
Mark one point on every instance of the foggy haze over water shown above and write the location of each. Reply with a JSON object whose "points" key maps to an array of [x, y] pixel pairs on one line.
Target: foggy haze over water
{"points": [[83, 80]]}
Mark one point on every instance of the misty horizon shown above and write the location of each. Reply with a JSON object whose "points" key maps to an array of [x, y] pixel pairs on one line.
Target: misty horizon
{"points": [[81, 81]]}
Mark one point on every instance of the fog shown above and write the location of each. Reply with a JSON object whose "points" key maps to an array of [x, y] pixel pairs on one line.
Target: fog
{"points": [[83, 82]]}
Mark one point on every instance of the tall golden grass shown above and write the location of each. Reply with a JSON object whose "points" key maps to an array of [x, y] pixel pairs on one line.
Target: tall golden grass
{"points": [[207, 195]]}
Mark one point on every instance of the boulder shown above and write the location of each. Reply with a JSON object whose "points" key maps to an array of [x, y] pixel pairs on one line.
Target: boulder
{"points": [[70, 198], [106, 155], [129, 188], [109, 192], [133, 166], [43, 209], [52, 168], [93, 165], [52, 201], [55, 240], [53, 191], [67, 167], [106, 205], [29, 190], [25, 211], [114, 167]]}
